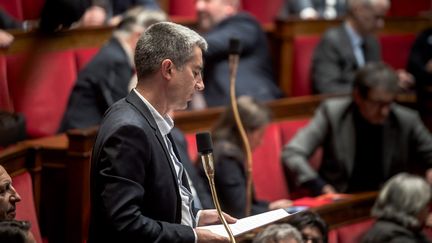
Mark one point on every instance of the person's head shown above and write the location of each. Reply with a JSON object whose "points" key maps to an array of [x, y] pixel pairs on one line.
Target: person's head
{"points": [[170, 56], [311, 226], [404, 199], [211, 12], [254, 115], [8, 196], [367, 16], [278, 233], [135, 22], [13, 231], [375, 88]]}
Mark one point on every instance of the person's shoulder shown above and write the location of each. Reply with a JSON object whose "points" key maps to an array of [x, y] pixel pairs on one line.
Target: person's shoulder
{"points": [[333, 33], [404, 113], [336, 104]]}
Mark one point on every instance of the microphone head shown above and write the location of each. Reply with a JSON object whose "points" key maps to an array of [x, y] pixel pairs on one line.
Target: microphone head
{"points": [[204, 142], [234, 46]]}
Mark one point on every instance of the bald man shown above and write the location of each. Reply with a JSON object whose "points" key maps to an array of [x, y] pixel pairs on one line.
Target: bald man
{"points": [[8, 196], [344, 49]]}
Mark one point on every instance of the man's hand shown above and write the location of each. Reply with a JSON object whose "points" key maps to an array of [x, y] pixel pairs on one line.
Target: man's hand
{"points": [[406, 80], [210, 216], [429, 176], [328, 189], [5, 39], [282, 203], [204, 235]]}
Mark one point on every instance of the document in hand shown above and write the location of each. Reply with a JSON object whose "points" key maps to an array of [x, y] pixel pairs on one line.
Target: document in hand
{"points": [[249, 223]]}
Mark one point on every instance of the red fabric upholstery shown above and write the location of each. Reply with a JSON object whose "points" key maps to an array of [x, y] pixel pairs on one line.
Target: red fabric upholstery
{"points": [[409, 8], [265, 11], [303, 49], [353, 232], [32, 8], [395, 49], [13, 8], [182, 8], [84, 55], [192, 148], [40, 88], [26, 210], [332, 236], [268, 174], [5, 102]]}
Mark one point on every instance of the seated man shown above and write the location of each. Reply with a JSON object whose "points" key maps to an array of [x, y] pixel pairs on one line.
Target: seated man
{"points": [[8, 196], [311, 226], [279, 233], [313, 9], [366, 138], [221, 20]]}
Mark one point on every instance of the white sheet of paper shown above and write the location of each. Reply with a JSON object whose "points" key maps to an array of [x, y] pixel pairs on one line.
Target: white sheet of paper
{"points": [[249, 223]]}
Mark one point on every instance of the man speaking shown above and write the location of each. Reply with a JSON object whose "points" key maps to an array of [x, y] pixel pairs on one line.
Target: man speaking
{"points": [[139, 189]]}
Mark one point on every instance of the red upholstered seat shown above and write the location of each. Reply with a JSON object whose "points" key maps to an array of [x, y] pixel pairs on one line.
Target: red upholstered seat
{"points": [[192, 147], [332, 236], [268, 175], [353, 232], [409, 8], [265, 11], [40, 87], [84, 55], [5, 102], [32, 8], [183, 8], [13, 8], [395, 49], [26, 210], [303, 48]]}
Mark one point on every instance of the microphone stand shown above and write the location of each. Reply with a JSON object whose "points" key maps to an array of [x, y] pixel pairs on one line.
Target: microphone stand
{"points": [[233, 66], [207, 161]]}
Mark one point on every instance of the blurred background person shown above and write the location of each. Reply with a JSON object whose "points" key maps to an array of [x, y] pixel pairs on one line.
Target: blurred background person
{"points": [[400, 211], [313, 9], [106, 78], [8, 196], [229, 157], [13, 231], [279, 233], [311, 226]]}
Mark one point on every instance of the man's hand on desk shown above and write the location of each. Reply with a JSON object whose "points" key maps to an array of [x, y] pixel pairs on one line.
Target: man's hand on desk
{"points": [[429, 176], [210, 216], [282, 203], [328, 189], [207, 236]]}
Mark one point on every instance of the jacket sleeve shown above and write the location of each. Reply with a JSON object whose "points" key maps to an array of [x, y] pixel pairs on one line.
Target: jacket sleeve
{"points": [[422, 141], [123, 167], [296, 153]]}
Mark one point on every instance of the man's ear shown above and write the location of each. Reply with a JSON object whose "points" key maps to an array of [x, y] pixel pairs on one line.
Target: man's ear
{"points": [[167, 67]]}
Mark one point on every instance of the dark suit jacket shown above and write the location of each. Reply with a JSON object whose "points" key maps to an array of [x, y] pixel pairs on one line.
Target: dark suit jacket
{"points": [[255, 71], [134, 191], [334, 63], [230, 180], [406, 143], [392, 232], [103, 81]]}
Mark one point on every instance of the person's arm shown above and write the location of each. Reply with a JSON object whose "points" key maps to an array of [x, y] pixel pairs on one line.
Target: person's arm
{"points": [[422, 141], [330, 72], [419, 60], [122, 169], [296, 153]]}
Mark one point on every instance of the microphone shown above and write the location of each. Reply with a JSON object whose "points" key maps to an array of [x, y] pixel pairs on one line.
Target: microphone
{"points": [[205, 149]]}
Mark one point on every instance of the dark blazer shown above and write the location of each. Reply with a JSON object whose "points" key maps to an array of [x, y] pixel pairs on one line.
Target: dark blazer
{"points": [[406, 143], [230, 180], [392, 232], [134, 191], [103, 81], [255, 71], [334, 64]]}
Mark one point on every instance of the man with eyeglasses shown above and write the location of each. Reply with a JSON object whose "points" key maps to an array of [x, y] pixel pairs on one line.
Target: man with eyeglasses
{"points": [[344, 49], [366, 138]]}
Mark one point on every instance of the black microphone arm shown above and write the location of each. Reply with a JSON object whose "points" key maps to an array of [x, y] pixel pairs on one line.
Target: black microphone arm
{"points": [[205, 149]]}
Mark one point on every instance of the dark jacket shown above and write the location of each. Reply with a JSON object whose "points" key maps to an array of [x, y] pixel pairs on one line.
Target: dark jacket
{"points": [[391, 232]]}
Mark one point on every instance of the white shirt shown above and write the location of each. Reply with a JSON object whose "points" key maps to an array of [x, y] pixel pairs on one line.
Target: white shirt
{"points": [[356, 42]]}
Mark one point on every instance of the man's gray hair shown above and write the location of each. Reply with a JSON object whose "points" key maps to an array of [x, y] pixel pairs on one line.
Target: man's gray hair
{"points": [[352, 3], [162, 41], [401, 200], [278, 232]]}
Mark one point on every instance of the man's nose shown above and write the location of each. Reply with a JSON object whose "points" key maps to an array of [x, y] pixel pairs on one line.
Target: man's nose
{"points": [[15, 196], [199, 85]]}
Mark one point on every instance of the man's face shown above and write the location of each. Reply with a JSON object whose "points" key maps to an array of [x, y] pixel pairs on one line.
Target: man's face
{"points": [[8, 196], [211, 12], [370, 18], [375, 108], [186, 80]]}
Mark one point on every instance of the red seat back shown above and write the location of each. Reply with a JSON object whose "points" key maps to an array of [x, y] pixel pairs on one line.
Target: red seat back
{"points": [[84, 55], [40, 87], [183, 8], [32, 8], [264, 11], [5, 101], [395, 49], [268, 174], [26, 210], [354, 232], [409, 8], [13, 8], [303, 48]]}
